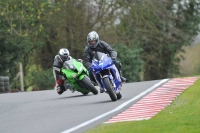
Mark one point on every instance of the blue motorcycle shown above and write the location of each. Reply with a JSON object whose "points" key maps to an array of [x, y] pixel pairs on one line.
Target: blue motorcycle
{"points": [[106, 75]]}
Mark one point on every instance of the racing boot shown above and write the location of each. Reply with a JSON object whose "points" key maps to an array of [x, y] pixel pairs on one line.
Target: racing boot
{"points": [[123, 79], [60, 89]]}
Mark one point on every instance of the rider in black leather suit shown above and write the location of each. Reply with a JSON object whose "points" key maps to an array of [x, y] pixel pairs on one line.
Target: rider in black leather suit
{"points": [[94, 45]]}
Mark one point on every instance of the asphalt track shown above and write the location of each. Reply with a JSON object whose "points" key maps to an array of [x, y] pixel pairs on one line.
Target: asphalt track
{"points": [[48, 112]]}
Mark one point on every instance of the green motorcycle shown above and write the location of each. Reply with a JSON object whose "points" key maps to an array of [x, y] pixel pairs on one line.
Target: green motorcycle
{"points": [[78, 77]]}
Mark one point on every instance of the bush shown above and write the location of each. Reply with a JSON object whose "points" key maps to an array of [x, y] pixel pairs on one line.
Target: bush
{"points": [[132, 64], [43, 80]]}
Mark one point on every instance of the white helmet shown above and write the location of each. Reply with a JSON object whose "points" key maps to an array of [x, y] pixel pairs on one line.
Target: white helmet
{"points": [[63, 54], [93, 36]]}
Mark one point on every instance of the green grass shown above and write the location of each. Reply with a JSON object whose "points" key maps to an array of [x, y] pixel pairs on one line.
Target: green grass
{"points": [[182, 116]]}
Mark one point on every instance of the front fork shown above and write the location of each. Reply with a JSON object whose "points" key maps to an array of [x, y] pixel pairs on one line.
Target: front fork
{"points": [[110, 77]]}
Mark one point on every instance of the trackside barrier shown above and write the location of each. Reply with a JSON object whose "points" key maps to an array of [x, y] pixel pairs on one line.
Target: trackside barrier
{"points": [[4, 84]]}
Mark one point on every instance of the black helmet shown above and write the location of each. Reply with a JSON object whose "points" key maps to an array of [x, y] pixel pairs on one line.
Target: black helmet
{"points": [[93, 37], [63, 54]]}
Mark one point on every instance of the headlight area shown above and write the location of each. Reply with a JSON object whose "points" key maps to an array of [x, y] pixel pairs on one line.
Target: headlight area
{"points": [[74, 75]]}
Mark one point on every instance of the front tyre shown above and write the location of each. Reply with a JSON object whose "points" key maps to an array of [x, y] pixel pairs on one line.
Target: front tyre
{"points": [[110, 89], [87, 83]]}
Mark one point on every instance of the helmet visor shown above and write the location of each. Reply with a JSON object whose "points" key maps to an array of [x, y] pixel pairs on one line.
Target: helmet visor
{"points": [[92, 42], [65, 57]]}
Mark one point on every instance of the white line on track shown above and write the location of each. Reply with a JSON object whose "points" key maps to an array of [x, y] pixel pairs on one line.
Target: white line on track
{"points": [[117, 108]]}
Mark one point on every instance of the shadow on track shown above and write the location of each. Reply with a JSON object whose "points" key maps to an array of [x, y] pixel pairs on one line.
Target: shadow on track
{"points": [[75, 96], [68, 97]]}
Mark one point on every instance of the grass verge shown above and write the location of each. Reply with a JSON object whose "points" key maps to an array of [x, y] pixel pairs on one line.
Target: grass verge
{"points": [[182, 116]]}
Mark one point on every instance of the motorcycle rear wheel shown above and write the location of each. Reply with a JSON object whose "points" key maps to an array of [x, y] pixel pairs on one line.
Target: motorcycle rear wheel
{"points": [[110, 89], [119, 95]]}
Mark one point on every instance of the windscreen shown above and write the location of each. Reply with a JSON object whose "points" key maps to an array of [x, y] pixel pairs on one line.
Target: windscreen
{"points": [[98, 55], [68, 64]]}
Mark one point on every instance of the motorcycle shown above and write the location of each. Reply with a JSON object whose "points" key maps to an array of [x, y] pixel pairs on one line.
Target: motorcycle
{"points": [[106, 75], [78, 77]]}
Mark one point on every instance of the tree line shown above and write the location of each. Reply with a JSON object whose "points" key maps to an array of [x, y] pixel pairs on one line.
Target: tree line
{"points": [[146, 34]]}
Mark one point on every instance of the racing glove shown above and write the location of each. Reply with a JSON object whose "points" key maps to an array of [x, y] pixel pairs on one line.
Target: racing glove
{"points": [[113, 59]]}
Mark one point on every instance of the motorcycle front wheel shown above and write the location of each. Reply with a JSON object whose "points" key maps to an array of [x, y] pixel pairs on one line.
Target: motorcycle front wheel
{"points": [[87, 83], [110, 89]]}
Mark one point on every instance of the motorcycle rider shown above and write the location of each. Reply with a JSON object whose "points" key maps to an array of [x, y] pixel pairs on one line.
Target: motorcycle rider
{"points": [[96, 45], [59, 59]]}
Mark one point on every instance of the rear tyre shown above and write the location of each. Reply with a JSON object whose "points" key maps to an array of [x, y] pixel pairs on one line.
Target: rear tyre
{"points": [[119, 95], [110, 89], [87, 83]]}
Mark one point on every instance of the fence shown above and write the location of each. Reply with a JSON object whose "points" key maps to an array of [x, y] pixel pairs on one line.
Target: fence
{"points": [[4, 84]]}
